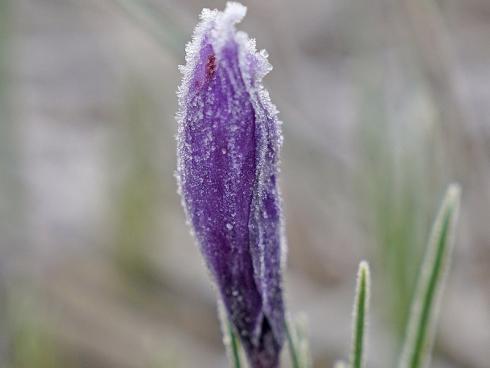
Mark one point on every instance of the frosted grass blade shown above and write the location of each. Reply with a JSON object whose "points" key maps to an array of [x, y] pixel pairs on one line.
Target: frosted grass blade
{"points": [[292, 346], [234, 348], [420, 331], [302, 342], [299, 348], [360, 315], [230, 339]]}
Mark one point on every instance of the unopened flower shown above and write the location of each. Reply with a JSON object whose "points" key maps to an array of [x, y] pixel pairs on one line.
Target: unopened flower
{"points": [[228, 145]]}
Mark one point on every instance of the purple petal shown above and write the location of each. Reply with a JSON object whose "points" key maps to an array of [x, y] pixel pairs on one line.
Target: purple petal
{"points": [[228, 145]]}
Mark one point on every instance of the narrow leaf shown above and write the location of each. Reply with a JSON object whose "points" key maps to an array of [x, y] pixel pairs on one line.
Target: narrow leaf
{"points": [[299, 348], [420, 332], [303, 346], [360, 315], [230, 339], [234, 347], [293, 351]]}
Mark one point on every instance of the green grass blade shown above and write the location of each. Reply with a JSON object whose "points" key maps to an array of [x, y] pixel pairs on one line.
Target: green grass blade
{"points": [[360, 316], [298, 345], [293, 352], [230, 339], [234, 348], [420, 331]]}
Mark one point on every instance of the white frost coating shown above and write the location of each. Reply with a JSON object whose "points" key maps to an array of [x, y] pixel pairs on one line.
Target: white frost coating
{"points": [[254, 67], [192, 50], [224, 29], [192, 56], [218, 29]]}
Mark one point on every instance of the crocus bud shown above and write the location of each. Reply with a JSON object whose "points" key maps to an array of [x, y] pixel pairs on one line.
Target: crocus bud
{"points": [[228, 146]]}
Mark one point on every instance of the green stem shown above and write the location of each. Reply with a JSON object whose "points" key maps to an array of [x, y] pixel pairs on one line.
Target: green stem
{"points": [[292, 347], [230, 339], [235, 347]]}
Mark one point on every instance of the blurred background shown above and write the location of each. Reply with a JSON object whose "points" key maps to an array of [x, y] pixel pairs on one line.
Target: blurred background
{"points": [[384, 103]]}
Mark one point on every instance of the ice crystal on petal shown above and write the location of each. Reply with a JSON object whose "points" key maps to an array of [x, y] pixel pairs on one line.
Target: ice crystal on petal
{"points": [[228, 154]]}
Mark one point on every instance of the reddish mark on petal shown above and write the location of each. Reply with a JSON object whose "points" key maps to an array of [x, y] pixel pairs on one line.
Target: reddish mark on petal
{"points": [[211, 66]]}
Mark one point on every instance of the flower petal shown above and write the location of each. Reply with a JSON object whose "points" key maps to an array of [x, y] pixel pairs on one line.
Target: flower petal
{"points": [[228, 145]]}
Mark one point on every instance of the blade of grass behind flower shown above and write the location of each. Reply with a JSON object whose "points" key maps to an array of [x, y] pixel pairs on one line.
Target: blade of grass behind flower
{"points": [[299, 349], [420, 331], [293, 351], [230, 339], [234, 347]]}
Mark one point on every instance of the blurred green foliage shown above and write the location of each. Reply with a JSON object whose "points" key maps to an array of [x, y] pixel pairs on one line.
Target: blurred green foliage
{"points": [[399, 176], [10, 188], [137, 194], [31, 343]]}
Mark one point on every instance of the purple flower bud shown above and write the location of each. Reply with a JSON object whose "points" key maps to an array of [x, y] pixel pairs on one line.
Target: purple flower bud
{"points": [[228, 146]]}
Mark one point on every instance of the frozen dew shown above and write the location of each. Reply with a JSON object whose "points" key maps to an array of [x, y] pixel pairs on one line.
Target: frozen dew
{"points": [[228, 143]]}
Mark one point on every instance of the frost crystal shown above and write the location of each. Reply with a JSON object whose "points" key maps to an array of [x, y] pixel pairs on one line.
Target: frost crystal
{"points": [[228, 146]]}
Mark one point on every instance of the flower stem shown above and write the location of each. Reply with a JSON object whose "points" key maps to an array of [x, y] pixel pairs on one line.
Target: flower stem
{"points": [[234, 347]]}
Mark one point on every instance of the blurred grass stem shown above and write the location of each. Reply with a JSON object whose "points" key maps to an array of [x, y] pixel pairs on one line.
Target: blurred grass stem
{"points": [[153, 23]]}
